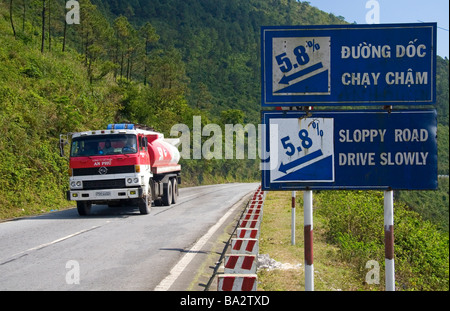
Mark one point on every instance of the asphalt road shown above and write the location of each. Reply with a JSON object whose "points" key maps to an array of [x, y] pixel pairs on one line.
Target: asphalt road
{"points": [[116, 248]]}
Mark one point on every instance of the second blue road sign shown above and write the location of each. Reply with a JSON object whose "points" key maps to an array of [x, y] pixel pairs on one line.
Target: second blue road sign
{"points": [[349, 150]]}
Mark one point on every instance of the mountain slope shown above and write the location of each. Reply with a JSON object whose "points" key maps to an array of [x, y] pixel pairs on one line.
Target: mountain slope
{"points": [[202, 59], [219, 42]]}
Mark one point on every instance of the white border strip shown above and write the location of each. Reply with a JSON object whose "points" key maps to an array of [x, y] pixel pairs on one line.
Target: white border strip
{"points": [[176, 271]]}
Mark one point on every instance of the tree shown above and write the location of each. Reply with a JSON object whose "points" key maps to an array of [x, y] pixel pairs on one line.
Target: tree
{"points": [[232, 116], [43, 26], [202, 97], [168, 72], [64, 33], [24, 15], [150, 36], [71, 17], [49, 27], [95, 33], [133, 46], [127, 45], [122, 29], [11, 17]]}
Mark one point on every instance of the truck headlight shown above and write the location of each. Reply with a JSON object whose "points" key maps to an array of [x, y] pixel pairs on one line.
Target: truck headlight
{"points": [[76, 184], [131, 180]]}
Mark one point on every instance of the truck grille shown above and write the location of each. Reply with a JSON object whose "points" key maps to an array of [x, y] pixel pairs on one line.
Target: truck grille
{"points": [[103, 184], [109, 170]]}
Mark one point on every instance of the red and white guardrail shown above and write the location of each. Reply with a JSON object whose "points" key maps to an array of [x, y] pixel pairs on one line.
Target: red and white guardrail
{"points": [[240, 265], [237, 282]]}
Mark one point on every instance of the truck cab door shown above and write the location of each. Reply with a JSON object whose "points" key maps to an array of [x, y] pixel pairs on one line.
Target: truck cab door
{"points": [[143, 150]]}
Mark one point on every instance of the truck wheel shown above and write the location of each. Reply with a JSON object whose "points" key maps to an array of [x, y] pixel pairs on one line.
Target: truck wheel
{"points": [[174, 191], [145, 204], [167, 194], [84, 208]]}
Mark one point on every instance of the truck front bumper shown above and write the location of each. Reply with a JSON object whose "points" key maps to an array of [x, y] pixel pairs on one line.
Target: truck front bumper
{"points": [[104, 195]]}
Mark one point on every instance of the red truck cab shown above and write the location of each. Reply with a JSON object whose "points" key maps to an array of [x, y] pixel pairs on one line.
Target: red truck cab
{"points": [[122, 163]]}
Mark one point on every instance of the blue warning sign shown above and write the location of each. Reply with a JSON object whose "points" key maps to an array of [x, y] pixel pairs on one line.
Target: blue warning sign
{"points": [[306, 146], [334, 65], [368, 149]]}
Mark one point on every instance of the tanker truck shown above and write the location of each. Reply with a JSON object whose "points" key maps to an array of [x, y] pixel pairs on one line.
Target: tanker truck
{"points": [[126, 163]]}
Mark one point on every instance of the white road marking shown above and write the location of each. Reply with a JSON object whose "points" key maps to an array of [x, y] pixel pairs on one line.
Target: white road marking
{"points": [[15, 256], [176, 271]]}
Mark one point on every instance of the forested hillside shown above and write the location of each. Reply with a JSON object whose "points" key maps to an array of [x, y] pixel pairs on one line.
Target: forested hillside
{"points": [[45, 91], [219, 42], [160, 63], [152, 62]]}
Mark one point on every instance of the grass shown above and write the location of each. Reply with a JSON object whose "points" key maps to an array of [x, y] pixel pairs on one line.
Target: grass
{"points": [[330, 272]]}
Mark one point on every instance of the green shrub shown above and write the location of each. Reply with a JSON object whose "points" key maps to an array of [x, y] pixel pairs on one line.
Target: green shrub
{"points": [[355, 222]]}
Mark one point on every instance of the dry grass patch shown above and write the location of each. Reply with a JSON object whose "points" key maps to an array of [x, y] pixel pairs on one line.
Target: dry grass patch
{"points": [[275, 240]]}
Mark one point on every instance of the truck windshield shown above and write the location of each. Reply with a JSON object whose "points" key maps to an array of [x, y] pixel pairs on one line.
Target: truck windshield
{"points": [[103, 145]]}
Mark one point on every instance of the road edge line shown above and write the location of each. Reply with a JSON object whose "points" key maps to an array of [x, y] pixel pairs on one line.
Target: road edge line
{"points": [[176, 271]]}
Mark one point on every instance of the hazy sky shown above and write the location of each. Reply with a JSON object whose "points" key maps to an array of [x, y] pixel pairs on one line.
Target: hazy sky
{"points": [[395, 11]]}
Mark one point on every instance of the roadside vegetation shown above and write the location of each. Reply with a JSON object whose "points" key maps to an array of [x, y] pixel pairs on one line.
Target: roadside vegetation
{"points": [[163, 64], [45, 91], [348, 232]]}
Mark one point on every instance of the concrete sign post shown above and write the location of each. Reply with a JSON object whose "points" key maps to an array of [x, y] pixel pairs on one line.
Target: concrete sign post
{"points": [[389, 240], [293, 218], [308, 232]]}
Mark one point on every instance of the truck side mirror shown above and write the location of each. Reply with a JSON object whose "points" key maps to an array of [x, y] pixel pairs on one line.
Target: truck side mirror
{"points": [[62, 142]]}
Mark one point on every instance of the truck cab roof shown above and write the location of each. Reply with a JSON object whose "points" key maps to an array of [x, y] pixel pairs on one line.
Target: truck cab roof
{"points": [[120, 129]]}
